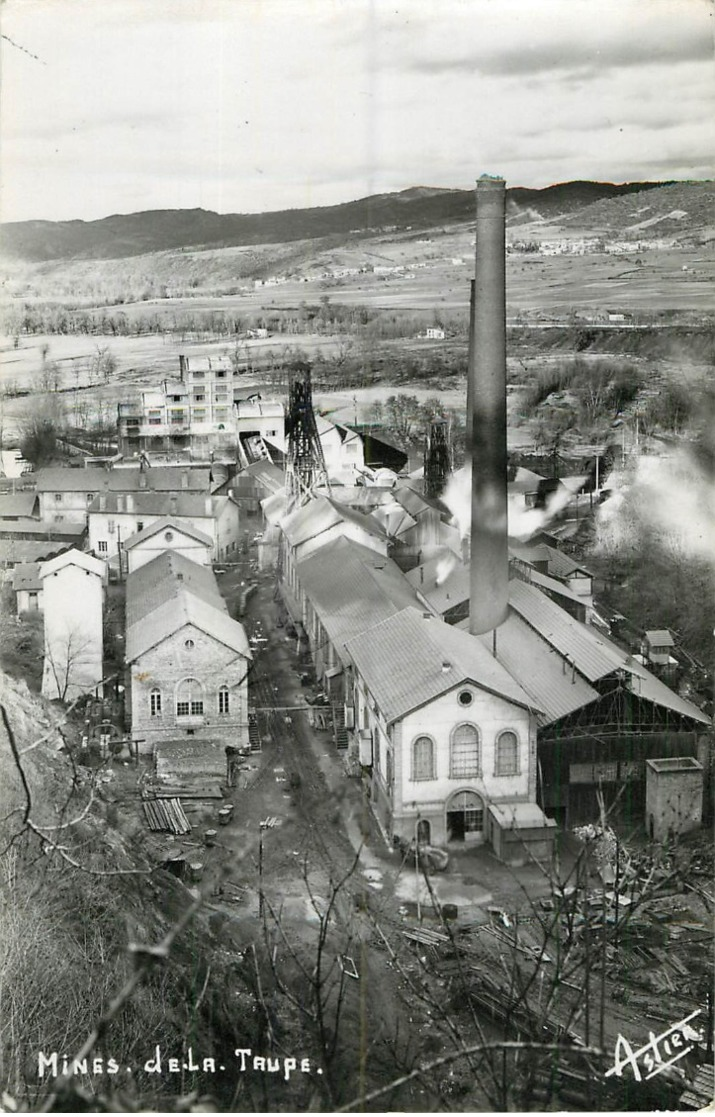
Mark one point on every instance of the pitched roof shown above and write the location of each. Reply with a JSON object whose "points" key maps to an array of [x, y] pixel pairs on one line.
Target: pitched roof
{"points": [[14, 505], [660, 637], [561, 683], [163, 578], [167, 523], [126, 480], [401, 683], [185, 608], [65, 479], [41, 529], [593, 656], [30, 550], [555, 688], [270, 476], [160, 504], [351, 588], [26, 576], [74, 558], [322, 513], [443, 580]]}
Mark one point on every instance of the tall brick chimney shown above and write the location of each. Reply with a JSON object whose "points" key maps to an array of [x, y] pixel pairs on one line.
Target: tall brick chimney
{"points": [[489, 567]]}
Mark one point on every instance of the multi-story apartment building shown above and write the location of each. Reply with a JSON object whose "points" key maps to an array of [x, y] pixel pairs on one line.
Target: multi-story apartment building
{"points": [[195, 412]]}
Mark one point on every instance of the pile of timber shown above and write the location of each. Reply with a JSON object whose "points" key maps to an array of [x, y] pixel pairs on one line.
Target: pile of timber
{"points": [[166, 814], [200, 787]]}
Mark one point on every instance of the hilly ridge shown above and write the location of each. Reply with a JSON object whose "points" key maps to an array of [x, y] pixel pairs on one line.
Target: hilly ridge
{"points": [[126, 235]]}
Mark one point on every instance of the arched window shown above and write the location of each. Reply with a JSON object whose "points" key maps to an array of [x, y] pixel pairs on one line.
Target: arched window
{"points": [[423, 759], [464, 753], [189, 699], [223, 700], [507, 754], [155, 702]]}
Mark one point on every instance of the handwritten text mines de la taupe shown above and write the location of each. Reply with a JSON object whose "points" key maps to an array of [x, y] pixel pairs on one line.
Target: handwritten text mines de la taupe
{"points": [[51, 1064]]}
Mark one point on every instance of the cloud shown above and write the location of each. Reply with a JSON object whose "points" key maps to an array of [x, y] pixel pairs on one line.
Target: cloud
{"points": [[569, 58]]}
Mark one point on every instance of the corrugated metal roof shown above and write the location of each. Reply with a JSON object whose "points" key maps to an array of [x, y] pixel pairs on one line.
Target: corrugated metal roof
{"points": [[561, 565], [352, 588], [540, 645], [645, 685], [322, 513], [162, 579], [448, 585], [412, 501], [26, 576], [17, 504], [266, 474], [660, 637], [166, 523], [403, 660], [592, 655], [556, 690]]}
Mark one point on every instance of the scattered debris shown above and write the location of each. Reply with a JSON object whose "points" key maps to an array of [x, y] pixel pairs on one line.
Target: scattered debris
{"points": [[347, 965]]}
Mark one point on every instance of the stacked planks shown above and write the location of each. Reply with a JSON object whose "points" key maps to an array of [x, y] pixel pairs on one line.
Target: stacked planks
{"points": [[166, 814]]}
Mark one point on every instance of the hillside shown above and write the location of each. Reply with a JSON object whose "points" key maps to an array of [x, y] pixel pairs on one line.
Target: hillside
{"points": [[676, 210], [124, 235]]}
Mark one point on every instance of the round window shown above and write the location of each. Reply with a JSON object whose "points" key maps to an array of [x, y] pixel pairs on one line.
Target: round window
{"points": [[168, 535], [189, 644], [465, 698]]}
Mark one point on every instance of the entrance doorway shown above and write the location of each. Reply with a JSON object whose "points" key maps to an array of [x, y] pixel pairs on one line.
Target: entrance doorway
{"points": [[465, 816]]}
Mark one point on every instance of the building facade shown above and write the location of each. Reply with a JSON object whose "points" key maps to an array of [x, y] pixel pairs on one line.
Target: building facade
{"points": [[187, 660], [73, 598]]}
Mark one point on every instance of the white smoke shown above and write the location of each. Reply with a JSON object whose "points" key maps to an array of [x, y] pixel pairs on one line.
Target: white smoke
{"points": [[523, 522], [672, 496], [445, 566]]}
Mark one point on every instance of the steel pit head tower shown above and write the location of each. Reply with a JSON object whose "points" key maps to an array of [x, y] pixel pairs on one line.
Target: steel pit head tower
{"points": [[486, 421]]}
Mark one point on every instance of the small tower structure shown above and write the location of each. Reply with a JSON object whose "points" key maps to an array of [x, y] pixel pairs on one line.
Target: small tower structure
{"points": [[305, 466], [437, 458]]}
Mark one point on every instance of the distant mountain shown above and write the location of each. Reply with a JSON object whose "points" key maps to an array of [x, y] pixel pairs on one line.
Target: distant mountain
{"points": [[419, 207]]}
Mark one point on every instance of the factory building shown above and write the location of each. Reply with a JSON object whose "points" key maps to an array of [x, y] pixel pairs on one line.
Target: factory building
{"points": [[187, 660], [481, 703], [450, 737]]}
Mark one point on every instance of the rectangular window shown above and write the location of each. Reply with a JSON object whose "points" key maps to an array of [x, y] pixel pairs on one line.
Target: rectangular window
{"points": [[90, 497], [200, 414], [58, 519], [177, 417], [111, 527], [33, 599], [102, 546], [58, 498], [197, 709], [182, 709], [221, 374], [473, 821], [155, 703], [223, 701], [199, 397]]}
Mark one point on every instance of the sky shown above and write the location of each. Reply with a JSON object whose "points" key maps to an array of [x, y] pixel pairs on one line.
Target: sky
{"points": [[115, 106]]}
